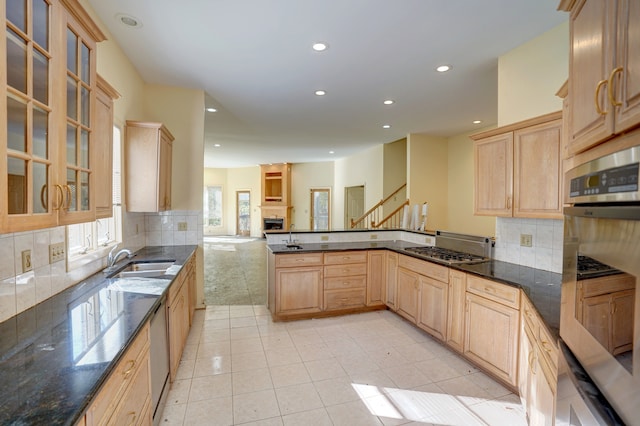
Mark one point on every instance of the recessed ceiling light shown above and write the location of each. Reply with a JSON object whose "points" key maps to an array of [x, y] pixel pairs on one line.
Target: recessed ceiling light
{"points": [[212, 109], [320, 92], [443, 68], [332, 152], [320, 46], [129, 20], [386, 126], [389, 102], [217, 145], [477, 121]]}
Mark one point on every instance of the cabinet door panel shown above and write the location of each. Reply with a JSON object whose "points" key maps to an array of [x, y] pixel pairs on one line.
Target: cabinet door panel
{"points": [[491, 337], [537, 171], [456, 311], [407, 294], [376, 277], [433, 307], [299, 290], [628, 83], [392, 280], [590, 62], [494, 175]]}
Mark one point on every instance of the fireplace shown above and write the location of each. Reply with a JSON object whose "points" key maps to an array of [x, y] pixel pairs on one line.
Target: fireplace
{"points": [[272, 223]]}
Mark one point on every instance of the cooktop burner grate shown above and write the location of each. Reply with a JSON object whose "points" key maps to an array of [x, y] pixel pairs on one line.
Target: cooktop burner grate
{"points": [[591, 268], [446, 255]]}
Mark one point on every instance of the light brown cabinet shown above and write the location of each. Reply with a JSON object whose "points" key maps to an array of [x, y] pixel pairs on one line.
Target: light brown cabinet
{"points": [[604, 70], [433, 307], [455, 309], [299, 290], [148, 162], [49, 93], [537, 371], [407, 294], [604, 306], [103, 148], [518, 169], [345, 280], [392, 280], [178, 318], [376, 277], [492, 327], [125, 398]]}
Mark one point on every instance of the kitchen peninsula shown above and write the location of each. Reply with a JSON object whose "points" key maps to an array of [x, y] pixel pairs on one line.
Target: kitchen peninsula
{"points": [[493, 313]]}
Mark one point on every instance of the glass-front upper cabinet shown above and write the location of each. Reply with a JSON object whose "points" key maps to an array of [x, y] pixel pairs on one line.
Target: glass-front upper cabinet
{"points": [[49, 75], [80, 84], [27, 172]]}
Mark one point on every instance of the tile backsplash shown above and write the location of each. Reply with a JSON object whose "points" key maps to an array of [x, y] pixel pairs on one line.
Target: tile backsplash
{"points": [[20, 291], [546, 249]]}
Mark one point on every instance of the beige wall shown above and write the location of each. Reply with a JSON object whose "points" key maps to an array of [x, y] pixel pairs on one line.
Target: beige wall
{"points": [[364, 168], [460, 190], [304, 177], [395, 173], [427, 177], [531, 74]]}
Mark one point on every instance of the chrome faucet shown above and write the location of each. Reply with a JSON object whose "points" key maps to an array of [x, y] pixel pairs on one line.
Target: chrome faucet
{"points": [[290, 240], [112, 259]]}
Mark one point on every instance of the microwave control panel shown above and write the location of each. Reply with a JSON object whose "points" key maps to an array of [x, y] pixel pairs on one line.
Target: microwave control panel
{"points": [[614, 180]]}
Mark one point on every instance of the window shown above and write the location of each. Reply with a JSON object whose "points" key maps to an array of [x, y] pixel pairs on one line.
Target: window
{"points": [[88, 241], [212, 206], [320, 209]]}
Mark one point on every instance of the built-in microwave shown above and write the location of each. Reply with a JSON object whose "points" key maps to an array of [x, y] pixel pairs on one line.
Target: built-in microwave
{"points": [[600, 305]]}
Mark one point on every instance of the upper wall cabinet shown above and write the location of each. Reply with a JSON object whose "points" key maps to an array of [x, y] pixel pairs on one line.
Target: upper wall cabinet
{"points": [[103, 148], [604, 70], [148, 156], [518, 169], [47, 115]]}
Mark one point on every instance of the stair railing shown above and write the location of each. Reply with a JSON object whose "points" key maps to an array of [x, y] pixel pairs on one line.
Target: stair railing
{"points": [[373, 216]]}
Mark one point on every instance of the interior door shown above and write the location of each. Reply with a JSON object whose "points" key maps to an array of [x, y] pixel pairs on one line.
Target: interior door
{"points": [[354, 204], [243, 209], [320, 209]]}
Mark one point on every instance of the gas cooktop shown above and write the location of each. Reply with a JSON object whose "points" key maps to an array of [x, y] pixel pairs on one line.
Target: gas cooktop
{"points": [[591, 268], [447, 256]]}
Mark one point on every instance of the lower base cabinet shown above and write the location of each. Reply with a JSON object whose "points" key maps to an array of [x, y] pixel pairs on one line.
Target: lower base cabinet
{"points": [[491, 337], [407, 292], [126, 396], [455, 310], [432, 316]]}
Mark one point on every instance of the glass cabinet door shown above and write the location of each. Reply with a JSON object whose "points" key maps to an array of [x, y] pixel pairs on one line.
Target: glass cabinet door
{"points": [[80, 83], [27, 171]]}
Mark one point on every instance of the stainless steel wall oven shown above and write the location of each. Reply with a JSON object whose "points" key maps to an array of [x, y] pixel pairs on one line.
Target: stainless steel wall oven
{"points": [[600, 318]]}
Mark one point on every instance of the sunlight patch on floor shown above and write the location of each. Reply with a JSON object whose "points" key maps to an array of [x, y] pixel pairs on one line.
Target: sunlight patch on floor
{"points": [[438, 408]]}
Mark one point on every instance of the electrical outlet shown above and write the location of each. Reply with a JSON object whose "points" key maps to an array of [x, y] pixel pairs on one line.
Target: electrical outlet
{"points": [[526, 240], [26, 261], [56, 252], [374, 236], [182, 226], [324, 238]]}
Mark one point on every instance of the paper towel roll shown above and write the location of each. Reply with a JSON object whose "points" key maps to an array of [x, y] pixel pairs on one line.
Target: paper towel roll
{"points": [[415, 217], [405, 218]]}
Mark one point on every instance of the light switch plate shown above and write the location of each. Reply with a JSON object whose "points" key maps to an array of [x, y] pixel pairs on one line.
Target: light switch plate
{"points": [[56, 252], [26, 261], [374, 236], [324, 238], [182, 226], [526, 240]]}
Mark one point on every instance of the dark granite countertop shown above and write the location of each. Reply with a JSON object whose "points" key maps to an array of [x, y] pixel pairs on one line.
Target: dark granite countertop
{"points": [[51, 367], [541, 287]]}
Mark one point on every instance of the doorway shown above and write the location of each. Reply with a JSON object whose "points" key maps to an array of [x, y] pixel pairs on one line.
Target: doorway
{"points": [[320, 209], [243, 209], [354, 204]]}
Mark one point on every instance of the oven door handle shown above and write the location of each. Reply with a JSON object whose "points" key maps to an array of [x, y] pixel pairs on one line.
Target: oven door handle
{"points": [[623, 212]]}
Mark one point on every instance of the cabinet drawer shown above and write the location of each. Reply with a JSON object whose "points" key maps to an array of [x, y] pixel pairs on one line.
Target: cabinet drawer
{"points": [[343, 257], [299, 259], [501, 293], [344, 299], [337, 283], [549, 348], [124, 373], [424, 267], [345, 270]]}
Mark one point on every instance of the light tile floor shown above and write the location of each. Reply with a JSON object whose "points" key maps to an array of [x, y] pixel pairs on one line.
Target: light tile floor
{"points": [[240, 368]]}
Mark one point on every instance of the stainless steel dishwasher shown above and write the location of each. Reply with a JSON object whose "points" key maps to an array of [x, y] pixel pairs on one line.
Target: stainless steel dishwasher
{"points": [[159, 359]]}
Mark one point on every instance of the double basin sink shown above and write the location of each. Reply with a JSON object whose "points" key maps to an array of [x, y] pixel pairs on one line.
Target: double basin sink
{"points": [[143, 269]]}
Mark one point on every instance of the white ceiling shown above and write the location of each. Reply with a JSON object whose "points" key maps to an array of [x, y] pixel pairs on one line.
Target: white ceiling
{"points": [[253, 59]]}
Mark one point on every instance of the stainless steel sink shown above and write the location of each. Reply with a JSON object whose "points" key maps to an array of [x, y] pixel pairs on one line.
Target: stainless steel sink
{"points": [[143, 269], [293, 247]]}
